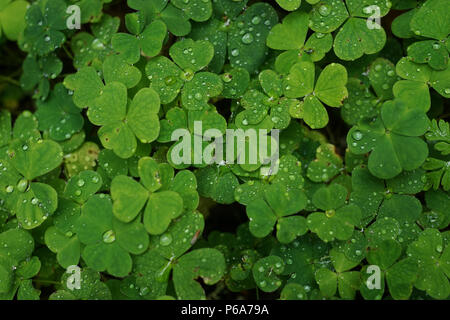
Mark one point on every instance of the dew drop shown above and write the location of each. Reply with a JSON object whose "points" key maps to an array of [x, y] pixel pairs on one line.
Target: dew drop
{"points": [[357, 135], [324, 10], [165, 240], [247, 38]]}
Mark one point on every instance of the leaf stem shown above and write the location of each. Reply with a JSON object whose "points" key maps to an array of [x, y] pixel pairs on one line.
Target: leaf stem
{"points": [[9, 80], [67, 51], [45, 281]]}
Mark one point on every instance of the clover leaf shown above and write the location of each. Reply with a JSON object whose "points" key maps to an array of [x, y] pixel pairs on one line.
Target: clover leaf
{"points": [[355, 37], [425, 23], [437, 165], [168, 79], [171, 14], [362, 103], [432, 256], [289, 5], [326, 165], [399, 274], [83, 158], [239, 33], [91, 288], [152, 269], [344, 281], [277, 206], [91, 49], [218, 185], [414, 89], [387, 198], [390, 137], [149, 42], [108, 241], [339, 219], [437, 203], [120, 126], [61, 237], [207, 263], [167, 197], [16, 246], [32, 202], [265, 273], [329, 88], [290, 35], [58, 115], [44, 22], [38, 72]]}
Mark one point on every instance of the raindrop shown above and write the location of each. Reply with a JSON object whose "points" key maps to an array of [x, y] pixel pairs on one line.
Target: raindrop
{"points": [[247, 38], [324, 10], [357, 135], [165, 240], [436, 46], [109, 236], [256, 20]]}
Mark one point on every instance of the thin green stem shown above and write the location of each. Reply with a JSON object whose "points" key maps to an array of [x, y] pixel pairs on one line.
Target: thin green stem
{"points": [[67, 51], [46, 281], [9, 80]]}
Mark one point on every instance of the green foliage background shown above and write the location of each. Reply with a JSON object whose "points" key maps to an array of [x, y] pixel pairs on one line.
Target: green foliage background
{"points": [[87, 115]]}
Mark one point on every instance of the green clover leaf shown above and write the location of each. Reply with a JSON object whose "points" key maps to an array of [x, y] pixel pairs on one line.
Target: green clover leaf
{"points": [[429, 21], [326, 166], [265, 273], [355, 38], [339, 219], [389, 139], [387, 198], [173, 16], [91, 288], [38, 72], [152, 269], [58, 115], [207, 263], [400, 275], [361, 102], [344, 281], [197, 10], [150, 41], [44, 22], [108, 241], [121, 127], [167, 197], [216, 184], [60, 238], [433, 258], [277, 206], [290, 35], [414, 89], [438, 202], [92, 49], [16, 246], [168, 79], [329, 88]]}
